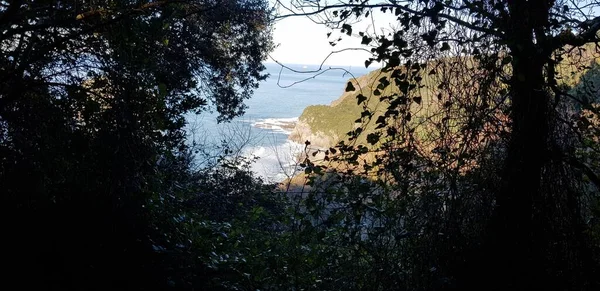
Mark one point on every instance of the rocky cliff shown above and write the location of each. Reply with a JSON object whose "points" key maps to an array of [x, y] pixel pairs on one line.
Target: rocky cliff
{"points": [[325, 125], [302, 132]]}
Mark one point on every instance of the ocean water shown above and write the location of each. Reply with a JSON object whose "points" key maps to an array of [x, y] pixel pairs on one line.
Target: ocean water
{"points": [[262, 132]]}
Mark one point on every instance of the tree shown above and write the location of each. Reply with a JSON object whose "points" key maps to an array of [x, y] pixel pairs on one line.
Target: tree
{"points": [[92, 103], [520, 55]]}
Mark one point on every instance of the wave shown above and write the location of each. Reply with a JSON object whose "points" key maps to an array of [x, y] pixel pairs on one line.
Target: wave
{"points": [[275, 163], [277, 157], [280, 125]]}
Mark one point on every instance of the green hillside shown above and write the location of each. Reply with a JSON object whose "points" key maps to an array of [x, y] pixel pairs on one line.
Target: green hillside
{"points": [[344, 114], [339, 118]]}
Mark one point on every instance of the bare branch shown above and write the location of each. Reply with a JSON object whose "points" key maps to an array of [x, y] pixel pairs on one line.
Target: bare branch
{"points": [[317, 71], [391, 6], [568, 38]]}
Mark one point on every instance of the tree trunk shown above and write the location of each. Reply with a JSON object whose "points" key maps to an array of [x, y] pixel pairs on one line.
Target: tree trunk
{"points": [[520, 189], [517, 246]]}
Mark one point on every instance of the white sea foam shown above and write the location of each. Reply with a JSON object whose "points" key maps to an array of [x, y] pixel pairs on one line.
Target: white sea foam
{"points": [[279, 125], [277, 162]]}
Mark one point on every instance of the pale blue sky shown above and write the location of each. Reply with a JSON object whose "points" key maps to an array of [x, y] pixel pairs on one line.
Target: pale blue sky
{"points": [[301, 41]]}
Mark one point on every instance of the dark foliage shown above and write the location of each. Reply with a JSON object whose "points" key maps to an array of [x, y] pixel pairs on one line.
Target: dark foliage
{"points": [[478, 170], [92, 99], [476, 130]]}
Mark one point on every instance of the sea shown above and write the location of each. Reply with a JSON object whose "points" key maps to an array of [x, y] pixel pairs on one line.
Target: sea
{"points": [[261, 134]]}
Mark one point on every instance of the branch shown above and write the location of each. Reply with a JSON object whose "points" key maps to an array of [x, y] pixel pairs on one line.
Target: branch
{"points": [[402, 8], [586, 170], [141, 8], [587, 36], [317, 72]]}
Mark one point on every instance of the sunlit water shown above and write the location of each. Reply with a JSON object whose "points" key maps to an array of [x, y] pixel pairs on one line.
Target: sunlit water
{"points": [[263, 131]]}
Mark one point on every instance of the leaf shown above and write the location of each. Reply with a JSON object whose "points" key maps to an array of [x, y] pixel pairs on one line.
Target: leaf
{"points": [[347, 28], [416, 20], [318, 170], [417, 100], [350, 87], [360, 98], [393, 62], [366, 40], [368, 63], [384, 82], [397, 12], [403, 86], [445, 46], [399, 41], [430, 37], [373, 138], [506, 60], [391, 131]]}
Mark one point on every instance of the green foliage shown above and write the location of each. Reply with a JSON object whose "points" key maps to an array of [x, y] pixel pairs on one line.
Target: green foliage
{"points": [[221, 230], [462, 163], [92, 104], [471, 106]]}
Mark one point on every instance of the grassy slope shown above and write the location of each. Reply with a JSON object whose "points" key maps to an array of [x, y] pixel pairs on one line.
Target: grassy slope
{"points": [[339, 118]]}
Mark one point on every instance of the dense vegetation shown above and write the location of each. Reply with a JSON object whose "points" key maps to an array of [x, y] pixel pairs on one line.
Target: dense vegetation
{"points": [[93, 151], [471, 162]]}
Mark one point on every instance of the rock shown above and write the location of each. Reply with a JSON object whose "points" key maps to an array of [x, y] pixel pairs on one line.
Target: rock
{"points": [[302, 132]]}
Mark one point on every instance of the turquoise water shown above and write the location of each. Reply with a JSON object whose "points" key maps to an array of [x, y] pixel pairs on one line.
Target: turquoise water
{"points": [[263, 130]]}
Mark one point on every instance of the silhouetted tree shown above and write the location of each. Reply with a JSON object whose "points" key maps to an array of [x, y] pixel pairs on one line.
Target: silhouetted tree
{"points": [[496, 75], [92, 102]]}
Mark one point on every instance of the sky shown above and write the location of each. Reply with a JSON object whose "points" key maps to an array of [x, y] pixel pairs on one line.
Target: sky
{"points": [[301, 41]]}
